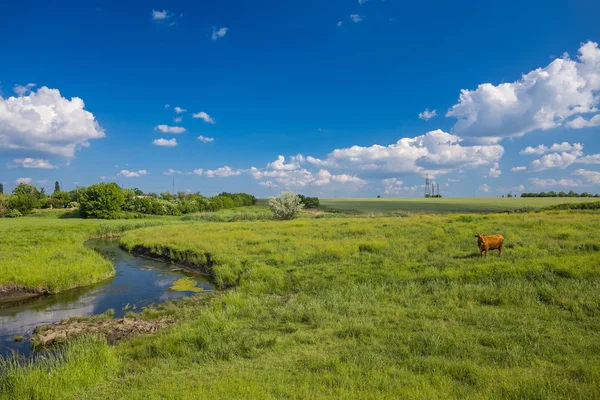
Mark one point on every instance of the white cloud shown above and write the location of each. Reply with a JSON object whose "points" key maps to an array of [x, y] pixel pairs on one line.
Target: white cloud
{"points": [[565, 182], [484, 188], [280, 165], [108, 178], [198, 171], [205, 139], [132, 174], [23, 180], [170, 129], [545, 98], [356, 18], [554, 160], [217, 34], [339, 24], [45, 122], [167, 106], [518, 169], [268, 184], [21, 90], [434, 152], [204, 116], [590, 177], [541, 149], [580, 122], [223, 172], [453, 180], [427, 115], [172, 171], [179, 110], [177, 119], [494, 171], [393, 186], [160, 15], [32, 163], [165, 142], [593, 159], [362, 1]]}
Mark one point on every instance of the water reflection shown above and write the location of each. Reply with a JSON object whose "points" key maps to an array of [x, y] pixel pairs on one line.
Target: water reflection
{"points": [[138, 282]]}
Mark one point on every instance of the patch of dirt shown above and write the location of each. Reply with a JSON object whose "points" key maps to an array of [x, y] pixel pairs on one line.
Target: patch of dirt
{"points": [[113, 329], [313, 211]]}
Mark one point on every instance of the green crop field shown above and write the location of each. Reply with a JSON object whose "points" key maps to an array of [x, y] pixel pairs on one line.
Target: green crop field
{"points": [[445, 205], [351, 307]]}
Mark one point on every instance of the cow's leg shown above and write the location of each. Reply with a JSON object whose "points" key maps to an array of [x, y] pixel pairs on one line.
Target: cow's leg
{"points": [[500, 248], [486, 251]]}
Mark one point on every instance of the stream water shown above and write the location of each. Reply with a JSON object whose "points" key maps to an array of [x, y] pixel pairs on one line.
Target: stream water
{"points": [[138, 282]]}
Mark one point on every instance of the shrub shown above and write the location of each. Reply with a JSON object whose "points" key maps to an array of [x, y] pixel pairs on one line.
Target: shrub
{"points": [[102, 200], [286, 206], [73, 204], [309, 202], [13, 214]]}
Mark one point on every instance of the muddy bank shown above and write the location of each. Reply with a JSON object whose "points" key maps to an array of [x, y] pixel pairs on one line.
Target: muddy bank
{"points": [[176, 259], [10, 293], [113, 329]]}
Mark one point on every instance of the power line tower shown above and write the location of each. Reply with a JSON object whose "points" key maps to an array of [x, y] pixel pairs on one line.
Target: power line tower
{"points": [[427, 186], [438, 188]]}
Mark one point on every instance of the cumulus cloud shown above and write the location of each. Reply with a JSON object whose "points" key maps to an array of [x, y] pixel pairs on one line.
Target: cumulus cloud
{"points": [[542, 149], [518, 169], [132, 174], [564, 182], [179, 110], [172, 171], [434, 152], [219, 33], [204, 117], [394, 186], [268, 184], [170, 129], [545, 98], [339, 24], [165, 142], [45, 122], [356, 18], [31, 163], [223, 172], [198, 171], [21, 90], [590, 177], [177, 119], [484, 188], [205, 139], [160, 15], [23, 180], [494, 172], [427, 115], [580, 122]]}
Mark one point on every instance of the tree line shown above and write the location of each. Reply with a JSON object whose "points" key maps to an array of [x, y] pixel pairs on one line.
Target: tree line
{"points": [[109, 200], [559, 194]]}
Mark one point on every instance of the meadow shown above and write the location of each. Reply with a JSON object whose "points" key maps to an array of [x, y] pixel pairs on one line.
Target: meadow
{"points": [[355, 307], [446, 205]]}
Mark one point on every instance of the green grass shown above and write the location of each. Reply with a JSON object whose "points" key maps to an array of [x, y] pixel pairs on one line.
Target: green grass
{"points": [[359, 308], [47, 253], [444, 205]]}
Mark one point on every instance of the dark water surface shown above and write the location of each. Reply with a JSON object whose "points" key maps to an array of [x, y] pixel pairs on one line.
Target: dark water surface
{"points": [[138, 282]]}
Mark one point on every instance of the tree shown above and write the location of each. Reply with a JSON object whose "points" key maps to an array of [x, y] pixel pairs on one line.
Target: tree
{"points": [[1, 188], [102, 200], [25, 198], [378, 196], [286, 206], [56, 187]]}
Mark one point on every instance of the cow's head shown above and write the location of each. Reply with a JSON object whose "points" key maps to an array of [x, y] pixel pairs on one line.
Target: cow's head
{"points": [[480, 238]]}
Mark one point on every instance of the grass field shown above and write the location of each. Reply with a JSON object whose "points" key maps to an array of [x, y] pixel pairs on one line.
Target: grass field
{"points": [[385, 307], [445, 205], [47, 254]]}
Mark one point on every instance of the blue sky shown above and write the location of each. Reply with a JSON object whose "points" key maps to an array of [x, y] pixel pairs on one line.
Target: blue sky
{"points": [[334, 87]]}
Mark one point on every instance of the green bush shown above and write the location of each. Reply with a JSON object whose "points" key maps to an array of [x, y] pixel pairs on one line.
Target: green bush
{"points": [[309, 202], [102, 200], [286, 206], [13, 214]]}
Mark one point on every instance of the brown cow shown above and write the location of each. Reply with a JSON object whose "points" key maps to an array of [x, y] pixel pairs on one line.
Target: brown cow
{"points": [[486, 243]]}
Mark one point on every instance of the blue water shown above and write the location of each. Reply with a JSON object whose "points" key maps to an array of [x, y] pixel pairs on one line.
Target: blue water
{"points": [[137, 283]]}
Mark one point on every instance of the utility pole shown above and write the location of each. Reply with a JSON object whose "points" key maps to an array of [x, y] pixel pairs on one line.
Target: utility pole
{"points": [[173, 187]]}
